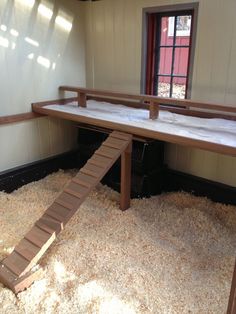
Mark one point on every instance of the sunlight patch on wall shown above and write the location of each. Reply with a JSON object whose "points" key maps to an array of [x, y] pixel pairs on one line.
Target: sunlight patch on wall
{"points": [[13, 32], [13, 46], [3, 28], [64, 23], [27, 3], [45, 11], [30, 56], [4, 42], [44, 62], [31, 42]]}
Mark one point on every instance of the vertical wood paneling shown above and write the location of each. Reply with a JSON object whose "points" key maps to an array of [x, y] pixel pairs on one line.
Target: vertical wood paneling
{"points": [[32, 140], [226, 174], [129, 34], [171, 155], [109, 45], [44, 138], [12, 146], [213, 73], [24, 80], [230, 89], [206, 27], [89, 36], [119, 51], [100, 65], [222, 50]]}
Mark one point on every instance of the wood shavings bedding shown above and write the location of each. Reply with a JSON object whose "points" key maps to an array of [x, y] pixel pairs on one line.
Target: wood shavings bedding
{"points": [[172, 253]]}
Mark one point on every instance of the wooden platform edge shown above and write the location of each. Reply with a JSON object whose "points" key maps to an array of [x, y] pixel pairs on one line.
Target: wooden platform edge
{"points": [[139, 131], [17, 269]]}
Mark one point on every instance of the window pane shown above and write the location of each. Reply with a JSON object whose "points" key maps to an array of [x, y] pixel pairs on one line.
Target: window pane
{"points": [[184, 25], [181, 61], [166, 31], [183, 29], [165, 60], [182, 41], [179, 87], [163, 86]]}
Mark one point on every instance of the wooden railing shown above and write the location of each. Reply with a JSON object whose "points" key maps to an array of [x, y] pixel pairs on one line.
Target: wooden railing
{"points": [[151, 103], [20, 117], [156, 103]]}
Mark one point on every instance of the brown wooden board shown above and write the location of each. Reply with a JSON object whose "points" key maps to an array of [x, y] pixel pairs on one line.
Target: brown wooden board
{"points": [[16, 263], [107, 152], [70, 191], [114, 142], [98, 160], [6, 276], [58, 212], [27, 249], [49, 225], [37, 236], [70, 202], [85, 179], [74, 186], [94, 168]]}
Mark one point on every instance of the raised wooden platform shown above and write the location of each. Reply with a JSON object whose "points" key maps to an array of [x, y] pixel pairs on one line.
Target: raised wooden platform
{"points": [[150, 123], [16, 269]]}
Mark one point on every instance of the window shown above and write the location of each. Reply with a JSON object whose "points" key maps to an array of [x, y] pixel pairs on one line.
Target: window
{"points": [[169, 53]]}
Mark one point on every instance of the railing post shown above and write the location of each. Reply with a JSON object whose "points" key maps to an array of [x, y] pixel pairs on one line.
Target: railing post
{"points": [[153, 110], [82, 100], [232, 298], [125, 182]]}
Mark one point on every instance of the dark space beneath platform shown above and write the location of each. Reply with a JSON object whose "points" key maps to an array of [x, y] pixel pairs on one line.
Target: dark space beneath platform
{"points": [[148, 169], [150, 176]]}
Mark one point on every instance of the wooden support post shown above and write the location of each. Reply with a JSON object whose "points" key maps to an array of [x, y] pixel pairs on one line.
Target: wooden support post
{"points": [[153, 110], [82, 100], [125, 181], [232, 297]]}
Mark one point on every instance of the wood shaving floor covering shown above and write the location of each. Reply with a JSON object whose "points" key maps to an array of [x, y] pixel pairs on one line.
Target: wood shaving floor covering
{"points": [[172, 253]]}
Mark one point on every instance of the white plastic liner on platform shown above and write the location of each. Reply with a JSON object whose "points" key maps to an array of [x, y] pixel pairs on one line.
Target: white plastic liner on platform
{"points": [[219, 131]]}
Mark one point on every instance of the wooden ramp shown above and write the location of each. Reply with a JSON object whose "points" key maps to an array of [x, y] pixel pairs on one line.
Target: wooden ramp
{"points": [[16, 270]]}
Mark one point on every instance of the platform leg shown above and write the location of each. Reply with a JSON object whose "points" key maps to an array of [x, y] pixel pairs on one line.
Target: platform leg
{"points": [[232, 297], [125, 181]]}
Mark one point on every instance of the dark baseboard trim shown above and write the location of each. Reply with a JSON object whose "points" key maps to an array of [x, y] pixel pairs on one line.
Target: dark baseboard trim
{"points": [[174, 181], [13, 179], [218, 192]]}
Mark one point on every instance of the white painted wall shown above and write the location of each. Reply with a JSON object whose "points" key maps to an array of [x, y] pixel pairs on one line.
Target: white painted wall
{"points": [[24, 80], [113, 43]]}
